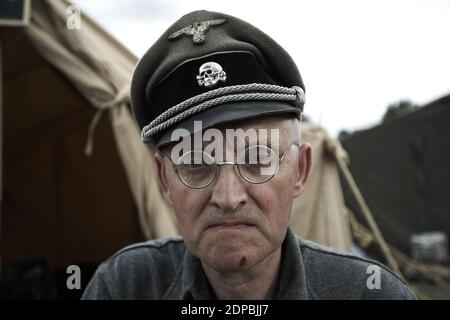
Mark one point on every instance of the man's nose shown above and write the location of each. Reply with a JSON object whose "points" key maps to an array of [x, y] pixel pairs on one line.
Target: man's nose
{"points": [[228, 189]]}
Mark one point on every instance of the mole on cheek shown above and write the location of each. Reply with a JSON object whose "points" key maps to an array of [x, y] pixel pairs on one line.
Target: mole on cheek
{"points": [[242, 261]]}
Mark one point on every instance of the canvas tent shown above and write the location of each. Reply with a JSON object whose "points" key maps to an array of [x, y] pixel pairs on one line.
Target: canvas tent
{"points": [[78, 184], [319, 214]]}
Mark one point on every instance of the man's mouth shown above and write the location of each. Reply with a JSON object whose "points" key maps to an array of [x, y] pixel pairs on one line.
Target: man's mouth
{"points": [[230, 225]]}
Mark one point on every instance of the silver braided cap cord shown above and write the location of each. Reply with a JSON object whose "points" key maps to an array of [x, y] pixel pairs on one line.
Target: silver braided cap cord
{"points": [[201, 102]]}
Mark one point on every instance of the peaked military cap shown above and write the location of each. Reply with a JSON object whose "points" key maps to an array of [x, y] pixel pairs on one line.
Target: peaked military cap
{"points": [[215, 68]]}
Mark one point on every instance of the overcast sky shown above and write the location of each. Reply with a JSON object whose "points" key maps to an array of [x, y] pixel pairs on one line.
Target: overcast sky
{"points": [[355, 57]]}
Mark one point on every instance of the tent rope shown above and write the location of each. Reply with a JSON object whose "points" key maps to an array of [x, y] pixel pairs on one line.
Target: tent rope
{"points": [[121, 96], [341, 157], [89, 148]]}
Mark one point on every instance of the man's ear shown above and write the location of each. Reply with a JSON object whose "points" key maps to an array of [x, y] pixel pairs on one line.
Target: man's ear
{"points": [[303, 169], [162, 175]]}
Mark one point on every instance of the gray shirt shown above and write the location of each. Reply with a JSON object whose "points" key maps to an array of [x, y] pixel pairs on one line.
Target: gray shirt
{"points": [[164, 269]]}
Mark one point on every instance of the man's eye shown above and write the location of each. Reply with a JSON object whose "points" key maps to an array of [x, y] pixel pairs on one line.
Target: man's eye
{"points": [[195, 166], [258, 160], [266, 162], [252, 169]]}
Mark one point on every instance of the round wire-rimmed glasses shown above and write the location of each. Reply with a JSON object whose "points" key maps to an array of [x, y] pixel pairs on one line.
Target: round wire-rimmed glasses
{"points": [[256, 164]]}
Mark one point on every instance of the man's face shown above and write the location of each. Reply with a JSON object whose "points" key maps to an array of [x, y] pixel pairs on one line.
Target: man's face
{"points": [[232, 224]]}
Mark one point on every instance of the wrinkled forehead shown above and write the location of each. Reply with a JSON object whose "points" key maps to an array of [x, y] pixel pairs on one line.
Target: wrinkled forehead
{"points": [[276, 123], [275, 132]]}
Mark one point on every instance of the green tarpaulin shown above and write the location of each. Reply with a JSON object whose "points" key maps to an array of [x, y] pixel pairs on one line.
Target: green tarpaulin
{"points": [[402, 170]]}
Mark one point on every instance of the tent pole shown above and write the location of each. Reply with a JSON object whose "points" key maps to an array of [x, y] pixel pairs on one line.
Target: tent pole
{"points": [[339, 153]]}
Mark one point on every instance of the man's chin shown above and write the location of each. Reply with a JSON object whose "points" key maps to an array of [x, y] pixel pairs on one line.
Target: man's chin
{"points": [[230, 257], [233, 262], [225, 241]]}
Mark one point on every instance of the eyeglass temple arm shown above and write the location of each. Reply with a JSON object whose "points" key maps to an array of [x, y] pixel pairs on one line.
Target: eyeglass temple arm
{"points": [[285, 153]]}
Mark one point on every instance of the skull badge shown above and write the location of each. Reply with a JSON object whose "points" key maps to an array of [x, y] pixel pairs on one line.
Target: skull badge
{"points": [[210, 73]]}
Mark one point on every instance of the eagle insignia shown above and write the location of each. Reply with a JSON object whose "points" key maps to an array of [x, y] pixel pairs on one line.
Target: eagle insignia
{"points": [[197, 30]]}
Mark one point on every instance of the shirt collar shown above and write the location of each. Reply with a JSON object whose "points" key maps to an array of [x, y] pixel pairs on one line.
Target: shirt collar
{"points": [[190, 281], [292, 277]]}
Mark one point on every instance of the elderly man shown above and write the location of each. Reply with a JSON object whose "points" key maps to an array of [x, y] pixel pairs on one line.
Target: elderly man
{"points": [[221, 103]]}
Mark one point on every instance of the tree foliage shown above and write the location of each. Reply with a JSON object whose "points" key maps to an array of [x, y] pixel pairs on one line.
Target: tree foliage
{"points": [[398, 109]]}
